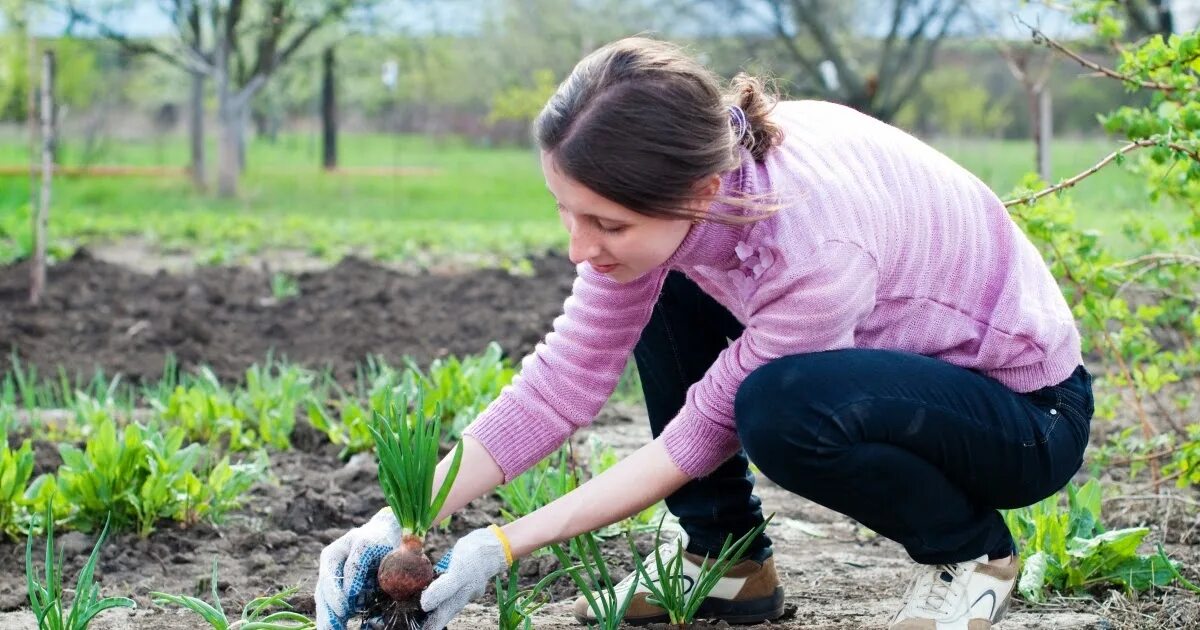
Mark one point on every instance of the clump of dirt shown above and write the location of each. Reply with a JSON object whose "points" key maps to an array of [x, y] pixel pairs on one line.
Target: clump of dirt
{"points": [[96, 314]]}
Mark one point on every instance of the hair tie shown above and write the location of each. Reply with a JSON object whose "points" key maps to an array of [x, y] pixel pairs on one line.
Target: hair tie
{"points": [[737, 118]]}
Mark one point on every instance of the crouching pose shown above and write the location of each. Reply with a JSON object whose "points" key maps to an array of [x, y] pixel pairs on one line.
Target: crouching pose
{"points": [[802, 287]]}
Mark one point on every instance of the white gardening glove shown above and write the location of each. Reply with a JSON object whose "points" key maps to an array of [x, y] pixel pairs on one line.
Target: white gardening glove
{"points": [[347, 577], [475, 559]]}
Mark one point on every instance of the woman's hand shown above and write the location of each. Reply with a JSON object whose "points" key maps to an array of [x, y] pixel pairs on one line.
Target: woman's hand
{"points": [[347, 577], [348, 568], [475, 559]]}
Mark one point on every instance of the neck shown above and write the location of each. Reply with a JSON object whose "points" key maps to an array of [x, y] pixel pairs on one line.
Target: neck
{"points": [[710, 243]]}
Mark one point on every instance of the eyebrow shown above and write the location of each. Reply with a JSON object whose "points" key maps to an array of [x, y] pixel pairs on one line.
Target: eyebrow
{"points": [[594, 216]]}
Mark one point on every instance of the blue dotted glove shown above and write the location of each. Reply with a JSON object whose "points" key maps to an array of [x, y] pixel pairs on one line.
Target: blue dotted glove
{"points": [[348, 568]]}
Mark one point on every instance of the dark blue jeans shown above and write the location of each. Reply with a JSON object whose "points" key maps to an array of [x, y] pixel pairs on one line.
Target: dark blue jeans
{"points": [[918, 450]]}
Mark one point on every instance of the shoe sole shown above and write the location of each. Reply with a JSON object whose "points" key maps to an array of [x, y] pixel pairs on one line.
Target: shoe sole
{"points": [[728, 610]]}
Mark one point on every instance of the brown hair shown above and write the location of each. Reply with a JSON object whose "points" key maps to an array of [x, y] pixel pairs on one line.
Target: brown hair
{"points": [[642, 123]]}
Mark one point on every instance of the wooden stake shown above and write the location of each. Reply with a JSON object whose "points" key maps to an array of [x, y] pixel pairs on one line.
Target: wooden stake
{"points": [[38, 280]]}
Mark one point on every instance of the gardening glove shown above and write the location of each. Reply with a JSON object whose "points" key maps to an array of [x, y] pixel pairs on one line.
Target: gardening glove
{"points": [[475, 559], [347, 577]]}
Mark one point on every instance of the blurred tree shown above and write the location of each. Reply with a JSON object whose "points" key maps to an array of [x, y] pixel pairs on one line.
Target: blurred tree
{"points": [[237, 45], [1149, 17], [952, 102], [869, 57]]}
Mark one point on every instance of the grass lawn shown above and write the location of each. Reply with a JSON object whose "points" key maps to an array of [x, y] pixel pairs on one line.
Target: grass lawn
{"points": [[482, 203]]}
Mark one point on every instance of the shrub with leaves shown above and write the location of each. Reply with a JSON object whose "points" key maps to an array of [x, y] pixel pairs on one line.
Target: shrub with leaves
{"points": [[1069, 551], [46, 595], [261, 613], [1137, 312]]}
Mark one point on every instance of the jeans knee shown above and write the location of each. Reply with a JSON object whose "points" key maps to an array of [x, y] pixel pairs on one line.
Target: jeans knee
{"points": [[751, 408]]}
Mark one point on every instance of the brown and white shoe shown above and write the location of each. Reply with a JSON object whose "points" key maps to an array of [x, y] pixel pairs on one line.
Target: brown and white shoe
{"points": [[971, 595], [749, 592]]}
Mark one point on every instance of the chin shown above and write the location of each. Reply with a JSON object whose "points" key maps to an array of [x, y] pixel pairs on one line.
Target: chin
{"points": [[625, 275]]}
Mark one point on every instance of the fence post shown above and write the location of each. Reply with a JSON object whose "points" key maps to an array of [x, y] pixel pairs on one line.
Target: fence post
{"points": [[328, 112], [1045, 133], [38, 279]]}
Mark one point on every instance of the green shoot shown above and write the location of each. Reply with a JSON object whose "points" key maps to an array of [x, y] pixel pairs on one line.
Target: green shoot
{"points": [[407, 445], [252, 615], [598, 587], [46, 597], [518, 606], [671, 588], [16, 467]]}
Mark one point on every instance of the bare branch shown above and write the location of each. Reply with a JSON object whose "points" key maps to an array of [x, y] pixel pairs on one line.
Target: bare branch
{"points": [[789, 40], [127, 44], [914, 77], [1165, 258], [1041, 38], [1067, 183], [807, 15]]}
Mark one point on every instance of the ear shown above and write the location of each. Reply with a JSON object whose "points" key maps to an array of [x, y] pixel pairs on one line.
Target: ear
{"points": [[709, 186]]}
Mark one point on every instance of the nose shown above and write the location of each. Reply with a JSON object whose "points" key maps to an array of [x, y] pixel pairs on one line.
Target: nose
{"points": [[583, 244]]}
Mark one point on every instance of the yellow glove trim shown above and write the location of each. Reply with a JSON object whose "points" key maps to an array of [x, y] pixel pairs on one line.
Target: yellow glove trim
{"points": [[495, 529]]}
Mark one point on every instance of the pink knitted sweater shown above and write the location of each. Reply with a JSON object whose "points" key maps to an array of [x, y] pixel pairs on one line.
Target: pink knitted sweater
{"points": [[881, 242]]}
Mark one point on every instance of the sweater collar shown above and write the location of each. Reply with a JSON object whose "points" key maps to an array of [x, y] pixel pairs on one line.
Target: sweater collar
{"points": [[711, 243]]}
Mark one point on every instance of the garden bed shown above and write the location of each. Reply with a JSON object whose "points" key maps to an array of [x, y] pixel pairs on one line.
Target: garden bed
{"points": [[836, 574]]}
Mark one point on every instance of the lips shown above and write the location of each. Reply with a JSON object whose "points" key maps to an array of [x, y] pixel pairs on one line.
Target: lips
{"points": [[604, 268]]}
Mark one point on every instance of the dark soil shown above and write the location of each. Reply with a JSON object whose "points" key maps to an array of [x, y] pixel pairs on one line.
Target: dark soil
{"points": [[836, 574], [99, 315]]}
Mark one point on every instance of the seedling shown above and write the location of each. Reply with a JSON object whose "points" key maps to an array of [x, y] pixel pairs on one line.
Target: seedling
{"points": [[679, 594], [46, 597], [16, 467], [407, 445], [597, 587], [518, 606], [254, 615]]}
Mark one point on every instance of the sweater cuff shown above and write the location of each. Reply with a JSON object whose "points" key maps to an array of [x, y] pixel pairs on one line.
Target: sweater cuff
{"points": [[696, 444], [515, 438]]}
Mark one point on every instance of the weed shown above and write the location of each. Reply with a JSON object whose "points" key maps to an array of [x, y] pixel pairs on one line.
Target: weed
{"points": [[46, 597], [254, 614]]}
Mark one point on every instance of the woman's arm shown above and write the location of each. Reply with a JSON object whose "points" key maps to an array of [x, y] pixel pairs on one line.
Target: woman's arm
{"points": [[633, 484], [478, 474]]}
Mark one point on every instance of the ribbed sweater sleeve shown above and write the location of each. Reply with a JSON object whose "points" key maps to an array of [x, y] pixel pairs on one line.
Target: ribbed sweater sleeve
{"points": [[810, 304], [568, 377]]}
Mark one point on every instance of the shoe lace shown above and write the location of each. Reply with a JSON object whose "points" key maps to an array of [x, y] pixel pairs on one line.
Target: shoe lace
{"points": [[937, 588]]}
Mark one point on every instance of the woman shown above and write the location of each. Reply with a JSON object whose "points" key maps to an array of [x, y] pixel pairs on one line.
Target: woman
{"points": [[803, 287]]}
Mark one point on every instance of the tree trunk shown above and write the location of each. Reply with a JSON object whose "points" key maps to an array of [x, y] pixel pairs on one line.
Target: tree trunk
{"points": [[38, 273], [328, 113], [196, 132], [229, 125], [243, 123], [1045, 133]]}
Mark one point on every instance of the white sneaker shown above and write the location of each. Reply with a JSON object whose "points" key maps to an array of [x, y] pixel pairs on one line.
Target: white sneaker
{"points": [[970, 595]]}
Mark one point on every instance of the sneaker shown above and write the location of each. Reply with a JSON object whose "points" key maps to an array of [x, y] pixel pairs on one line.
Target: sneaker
{"points": [[749, 592], [969, 595]]}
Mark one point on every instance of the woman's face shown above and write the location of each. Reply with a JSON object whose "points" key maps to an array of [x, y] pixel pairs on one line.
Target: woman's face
{"points": [[613, 239]]}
